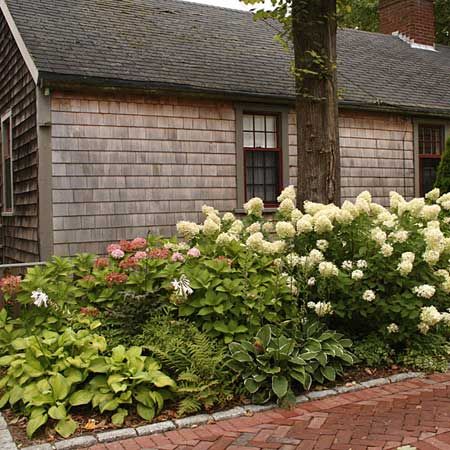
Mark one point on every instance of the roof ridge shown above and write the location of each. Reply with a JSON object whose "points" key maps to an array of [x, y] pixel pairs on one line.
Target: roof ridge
{"points": [[208, 5]]}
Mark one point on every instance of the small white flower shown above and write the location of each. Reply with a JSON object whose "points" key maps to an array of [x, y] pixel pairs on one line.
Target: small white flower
{"points": [[387, 250], [347, 265], [424, 291], [311, 282], [357, 275], [292, 260], [322, 244], [392, 328], [321, 308], [40, 298], [182, 287], [368, 296], [361, 264]]}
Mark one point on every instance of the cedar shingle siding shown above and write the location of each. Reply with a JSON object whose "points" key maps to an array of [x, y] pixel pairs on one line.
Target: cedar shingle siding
{"points": [[17, 92]]}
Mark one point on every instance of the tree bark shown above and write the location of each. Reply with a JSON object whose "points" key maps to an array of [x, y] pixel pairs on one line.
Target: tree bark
{"points": [[314, 30]]}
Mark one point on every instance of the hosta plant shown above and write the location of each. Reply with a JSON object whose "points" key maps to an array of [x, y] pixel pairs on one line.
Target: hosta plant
{"points": [[274, 365]]}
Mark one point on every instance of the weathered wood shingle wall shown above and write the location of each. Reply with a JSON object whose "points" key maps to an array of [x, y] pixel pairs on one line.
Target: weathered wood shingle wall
{"points": [[17, 93], [122, 166], [376, 154]]}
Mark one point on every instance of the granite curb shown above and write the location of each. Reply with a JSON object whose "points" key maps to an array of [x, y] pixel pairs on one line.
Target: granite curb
{"points": [[7, 443]]}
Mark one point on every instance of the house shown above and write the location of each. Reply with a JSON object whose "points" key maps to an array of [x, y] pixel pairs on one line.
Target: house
{"points": [[119, 116]]}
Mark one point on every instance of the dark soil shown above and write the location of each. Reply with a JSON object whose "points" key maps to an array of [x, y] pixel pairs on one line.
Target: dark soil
{"points": [[92, 421]]}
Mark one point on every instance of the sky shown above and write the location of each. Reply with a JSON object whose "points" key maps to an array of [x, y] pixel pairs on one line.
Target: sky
{"points": [[236, 4]]}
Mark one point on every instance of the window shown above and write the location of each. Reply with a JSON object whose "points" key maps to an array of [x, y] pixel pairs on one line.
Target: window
{"points": [[262, 157], [7, 164], [431, 146]]}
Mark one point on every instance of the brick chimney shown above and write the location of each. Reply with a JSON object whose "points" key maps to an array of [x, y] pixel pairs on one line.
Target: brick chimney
{"points": [[414, 20]]}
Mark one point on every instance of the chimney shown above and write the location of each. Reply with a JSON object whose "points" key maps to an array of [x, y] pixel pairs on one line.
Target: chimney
{"points": [[412, 20]]}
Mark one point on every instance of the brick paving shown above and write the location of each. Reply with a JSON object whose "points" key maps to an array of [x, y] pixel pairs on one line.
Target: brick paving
{"points": [[414, 412]]}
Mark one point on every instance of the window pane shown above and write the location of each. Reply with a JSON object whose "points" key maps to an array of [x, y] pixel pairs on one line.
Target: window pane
{"points": [[248, 122], [271, 140], [260, 140], [248, 139], [429, 170], [259, 123], [431, 139], [271, 122]]}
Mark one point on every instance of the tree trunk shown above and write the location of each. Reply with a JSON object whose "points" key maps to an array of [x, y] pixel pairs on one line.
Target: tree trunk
{"points": [[314, 35]]}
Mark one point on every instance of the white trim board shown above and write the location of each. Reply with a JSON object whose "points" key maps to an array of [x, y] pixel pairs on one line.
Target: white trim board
{"points": [[19, 41]]}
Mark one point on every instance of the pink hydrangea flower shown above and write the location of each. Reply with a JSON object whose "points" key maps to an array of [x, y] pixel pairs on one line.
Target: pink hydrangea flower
{"points": [[113, 247], [139, 243], [140, 255], [117, 253], [194, 252], [177, 257]]}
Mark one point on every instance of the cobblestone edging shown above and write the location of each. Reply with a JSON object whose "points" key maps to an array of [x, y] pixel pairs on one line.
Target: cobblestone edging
{"points": [[7, 443]]}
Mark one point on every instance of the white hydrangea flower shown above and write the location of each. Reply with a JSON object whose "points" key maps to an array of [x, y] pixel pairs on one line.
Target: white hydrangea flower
{"points": [[392, 328], [424, 291], [296, 215], [254, 207], [361, 264], [188, 230], [228, 217], [288, 193], [328, 269], [423, 328], [286, 207], [255, 242], [368, 295], [378, 235], [225, 238], [253, 228], [311, 282], [322, 224], [431, 257], [399, 236], [285, 230], [387, 250], [305, 224], [321, 308], [209, 211], [396, 200], [433, 195], [291, 283], [357, 274], [237, 227], [405, 268], [292, 260], [322, 244], [210, 227], [430, 316], [268, 227], [40, 298], [315, 257], [313, 208], [430, 212], [347, 265]]}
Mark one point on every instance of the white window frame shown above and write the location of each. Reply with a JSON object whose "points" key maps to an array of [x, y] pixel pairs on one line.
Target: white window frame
{"points": [[4, 118]]}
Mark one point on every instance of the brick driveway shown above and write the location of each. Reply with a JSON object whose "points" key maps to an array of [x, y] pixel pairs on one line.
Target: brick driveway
{"points": [[414, 412]]}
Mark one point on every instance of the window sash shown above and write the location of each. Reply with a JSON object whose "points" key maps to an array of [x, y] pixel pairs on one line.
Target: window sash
{"points": [[7, 163], [264, 181], [431, 139]]}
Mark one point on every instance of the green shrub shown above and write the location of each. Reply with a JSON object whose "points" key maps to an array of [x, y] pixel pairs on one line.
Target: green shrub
{"points": [[192, 358], [443, 172], [373, 351], [274, 364]]}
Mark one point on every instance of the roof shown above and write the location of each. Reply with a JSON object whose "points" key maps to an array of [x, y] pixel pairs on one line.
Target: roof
{"points": [[172, 44]]}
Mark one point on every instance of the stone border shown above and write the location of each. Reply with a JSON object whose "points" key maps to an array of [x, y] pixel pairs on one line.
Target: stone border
{"points": [[7, 443]]}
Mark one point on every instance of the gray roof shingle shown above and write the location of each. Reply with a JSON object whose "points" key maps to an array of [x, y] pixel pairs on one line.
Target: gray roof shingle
{"points": [[190, 46]]}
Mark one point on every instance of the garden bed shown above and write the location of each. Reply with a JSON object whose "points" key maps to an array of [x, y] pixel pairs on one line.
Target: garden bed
{"points": [[232, 309]]}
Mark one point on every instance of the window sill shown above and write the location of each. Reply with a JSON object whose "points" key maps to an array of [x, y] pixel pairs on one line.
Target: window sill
{"points": [[8, 214], [268, 210]]}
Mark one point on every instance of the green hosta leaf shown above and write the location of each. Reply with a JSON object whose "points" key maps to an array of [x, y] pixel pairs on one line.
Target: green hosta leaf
{"points": [[4, 399], [347, 358], [66, 427], [73, 375], [322, 358], [242, 357], [7, 360], [19, 344], [110, 405], [264, 335], [251, 385], [60, 386], [186, 310], [159, 379], [15, 395], [119, 417], [145, 412], [346, 343], [308, 356], [308, 381], [82, 397], [35, 423], [279, 385], [329, 373], [57, 412], [99, 365]]}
